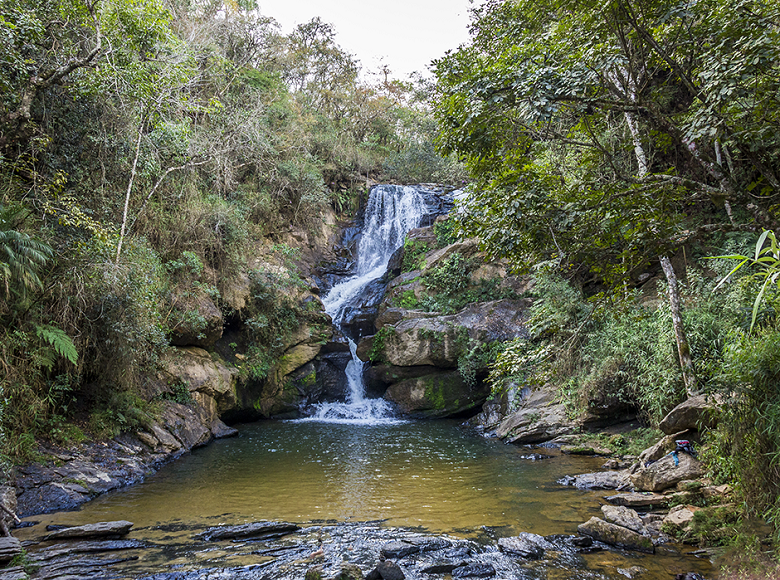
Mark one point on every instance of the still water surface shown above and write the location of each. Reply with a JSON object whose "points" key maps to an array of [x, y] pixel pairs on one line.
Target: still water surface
{"points": [[431, 475]]}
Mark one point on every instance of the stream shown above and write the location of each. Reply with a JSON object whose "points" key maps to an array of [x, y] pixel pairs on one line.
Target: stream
{"points": [[355, 476]]}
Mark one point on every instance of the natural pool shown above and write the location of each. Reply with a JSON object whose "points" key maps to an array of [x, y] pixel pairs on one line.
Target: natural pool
{"points": [[435, 477]]}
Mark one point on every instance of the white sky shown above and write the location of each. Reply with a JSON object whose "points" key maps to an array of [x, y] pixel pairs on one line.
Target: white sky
{"points": [[403, 34]]}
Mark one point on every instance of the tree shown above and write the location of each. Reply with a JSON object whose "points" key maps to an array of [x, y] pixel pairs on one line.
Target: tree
{"points": [[608, 135]]}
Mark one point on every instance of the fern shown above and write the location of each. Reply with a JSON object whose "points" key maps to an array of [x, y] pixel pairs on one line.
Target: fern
{"points": [[58, 340]]}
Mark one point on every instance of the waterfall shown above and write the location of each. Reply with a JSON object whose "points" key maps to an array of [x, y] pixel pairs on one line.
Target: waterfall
{"points": [[390, 213]]}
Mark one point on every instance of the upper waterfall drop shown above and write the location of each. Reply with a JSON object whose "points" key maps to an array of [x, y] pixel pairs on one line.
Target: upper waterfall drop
{"points": [[392, 211]]}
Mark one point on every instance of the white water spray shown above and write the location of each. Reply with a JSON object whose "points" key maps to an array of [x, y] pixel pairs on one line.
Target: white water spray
{"points": [[391, 212]]}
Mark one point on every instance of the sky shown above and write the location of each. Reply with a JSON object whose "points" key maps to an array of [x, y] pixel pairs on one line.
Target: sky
{"points": [[403, 34]]}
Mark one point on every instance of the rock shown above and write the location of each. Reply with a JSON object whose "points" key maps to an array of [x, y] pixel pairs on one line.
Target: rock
{"points": [[350, 572], [540, 418], [439, 341], [699, 412], [582, 541], [615, 535], [624, 516], [314, 573], [436, 396], [476, 570], [386, 570], [632, 572], [8, 511], [680, 517], [221, 431], [664, 474], [99, 530], [584, 450], [196, 320], [10, 547], [398, 550], [716, 491], [664, 446], [598, 480], [252, 530], [442, 566], [639, 500], [15, 573], [525, 545], [429, 543]]}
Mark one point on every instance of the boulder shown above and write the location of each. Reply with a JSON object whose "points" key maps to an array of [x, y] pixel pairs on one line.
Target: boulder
{"points": [[540, 418], [443, 394], [99, 530], [664, 446], [397, 550], [349, 572], [10, 547], [666, 472], [699, 412], [440, 341], [624, 516], [386, 570], [202, 374], [525, 545], [196, 320], [615, 535], [680, 517]]}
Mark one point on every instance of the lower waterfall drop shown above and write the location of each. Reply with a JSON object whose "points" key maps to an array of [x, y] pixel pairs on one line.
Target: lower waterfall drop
{"points": [[390, 213]]}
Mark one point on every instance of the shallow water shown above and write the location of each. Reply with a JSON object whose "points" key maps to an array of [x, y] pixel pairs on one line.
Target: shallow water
{"points": [[434, 476]]}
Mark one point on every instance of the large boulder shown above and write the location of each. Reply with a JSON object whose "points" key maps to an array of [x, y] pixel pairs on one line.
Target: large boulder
{"points": [[202, 373], [616, 535], [440, 341], [666, 472], [624, 516], [540, 418], [699, 412], [443, 394]]}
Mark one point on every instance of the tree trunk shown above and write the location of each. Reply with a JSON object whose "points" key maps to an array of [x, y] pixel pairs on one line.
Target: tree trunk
{"points": [[683, 348]]}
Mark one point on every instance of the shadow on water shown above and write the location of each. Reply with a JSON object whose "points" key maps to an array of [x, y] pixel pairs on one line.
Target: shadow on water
{"points": [[431, 477]]}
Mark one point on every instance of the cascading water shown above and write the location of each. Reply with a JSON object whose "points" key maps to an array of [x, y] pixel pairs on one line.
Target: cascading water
{"points": [[391, 212]]}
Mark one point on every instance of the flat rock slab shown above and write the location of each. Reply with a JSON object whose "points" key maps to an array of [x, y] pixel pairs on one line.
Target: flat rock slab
{"points": [[474, 571], [245, 531], [10, 547], [443, 566], [15, 573], [639, 500], [615, 535], [86, 548], [598, 480], [99, 530], [397, 550]]}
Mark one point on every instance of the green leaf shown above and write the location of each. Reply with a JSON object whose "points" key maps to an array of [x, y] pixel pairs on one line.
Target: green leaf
{"points": [[59, 341]]}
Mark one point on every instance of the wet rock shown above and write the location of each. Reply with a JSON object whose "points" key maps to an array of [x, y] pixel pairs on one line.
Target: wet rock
{"points": [[644, 500], [439, 395], [624, 516], [632, 572], [699, 412], [525, 545], [221, 431], [442, 566], [430, 543], [96, 546], [598, 480], [350, 572], [99, 530], [666, 472], [615, 535], [476, 570], [386, 570], [10, 547], [314, 573], [246, 531], [398, 550], [582, 541]]}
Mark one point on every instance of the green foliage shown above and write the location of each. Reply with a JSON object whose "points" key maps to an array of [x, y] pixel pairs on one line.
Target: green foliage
{"points": [[21, 256], [414, 254], [59, 341], [376, 353], [447, 232]]}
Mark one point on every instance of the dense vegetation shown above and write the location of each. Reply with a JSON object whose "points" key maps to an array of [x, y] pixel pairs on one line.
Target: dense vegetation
{"points": [[617, 143], [147, 147]]}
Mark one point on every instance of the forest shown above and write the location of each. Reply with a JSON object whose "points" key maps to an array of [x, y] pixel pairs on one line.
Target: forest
{"points": [[626, 154]]}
